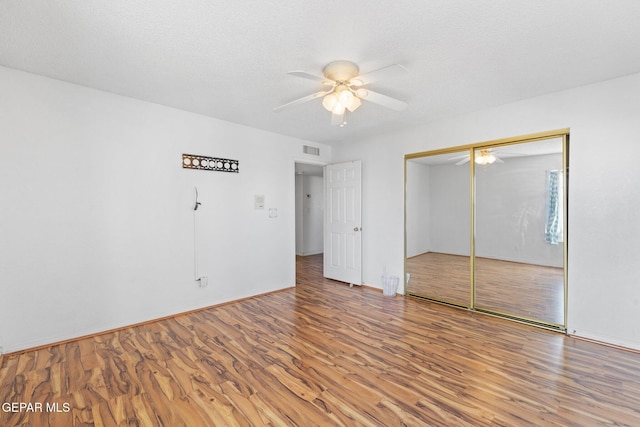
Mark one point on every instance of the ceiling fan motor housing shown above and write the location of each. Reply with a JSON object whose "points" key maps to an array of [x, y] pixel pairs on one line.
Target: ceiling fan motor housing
{"points": [[341, 71]]}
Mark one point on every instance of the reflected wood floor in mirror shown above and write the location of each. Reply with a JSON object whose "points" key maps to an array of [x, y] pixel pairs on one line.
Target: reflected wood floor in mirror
{"points": [[325, 354], [526, 290], [440, 276]]}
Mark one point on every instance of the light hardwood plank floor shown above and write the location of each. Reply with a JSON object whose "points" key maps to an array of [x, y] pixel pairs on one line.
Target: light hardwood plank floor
{"points": [[325, 354]]}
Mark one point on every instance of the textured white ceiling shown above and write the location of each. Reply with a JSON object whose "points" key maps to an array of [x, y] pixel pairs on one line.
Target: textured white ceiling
{"points": [[228, 59]]}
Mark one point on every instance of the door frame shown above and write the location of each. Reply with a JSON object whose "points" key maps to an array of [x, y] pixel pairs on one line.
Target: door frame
{"points": [[306, 161]]}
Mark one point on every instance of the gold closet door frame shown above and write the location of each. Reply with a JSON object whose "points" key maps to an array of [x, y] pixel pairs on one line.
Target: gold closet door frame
{"points": [[559, 133]]}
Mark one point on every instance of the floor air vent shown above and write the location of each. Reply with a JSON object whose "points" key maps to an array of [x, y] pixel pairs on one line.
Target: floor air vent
{"points": [[315, 151]]}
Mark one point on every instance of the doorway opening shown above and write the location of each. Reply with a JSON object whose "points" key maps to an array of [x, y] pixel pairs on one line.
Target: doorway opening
{"points": [[309, 206]]}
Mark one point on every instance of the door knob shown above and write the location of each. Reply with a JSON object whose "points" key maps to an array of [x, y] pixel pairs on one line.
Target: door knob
{"points": [[356, 229]]}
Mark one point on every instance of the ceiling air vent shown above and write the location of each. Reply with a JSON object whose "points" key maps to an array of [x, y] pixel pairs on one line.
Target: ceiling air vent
{"points": [[314, 151]]}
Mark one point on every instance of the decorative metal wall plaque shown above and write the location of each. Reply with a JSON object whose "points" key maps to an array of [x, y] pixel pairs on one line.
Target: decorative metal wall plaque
{"points": [[193, 161]]}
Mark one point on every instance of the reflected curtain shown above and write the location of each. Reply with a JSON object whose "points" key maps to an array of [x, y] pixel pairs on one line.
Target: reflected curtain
{"points": [[553, 233]]}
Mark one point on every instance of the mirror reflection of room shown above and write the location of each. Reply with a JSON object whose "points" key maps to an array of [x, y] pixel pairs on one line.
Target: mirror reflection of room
{"points": [[512, 263], [437, 228], [519, 251]]}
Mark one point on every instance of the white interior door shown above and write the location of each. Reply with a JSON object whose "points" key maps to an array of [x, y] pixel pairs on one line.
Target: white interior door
{"points": [[342, 230]]}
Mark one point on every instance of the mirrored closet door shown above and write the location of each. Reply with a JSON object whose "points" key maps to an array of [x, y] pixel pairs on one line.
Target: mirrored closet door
{"points": [[519, 211], [490, 234], [438, 200]]}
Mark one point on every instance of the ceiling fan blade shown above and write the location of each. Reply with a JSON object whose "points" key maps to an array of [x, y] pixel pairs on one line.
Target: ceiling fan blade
{"points": [[388, 72], [499, 160], [313, 77], [303, 99], [337, 119], [462, 162], [385, 101]]}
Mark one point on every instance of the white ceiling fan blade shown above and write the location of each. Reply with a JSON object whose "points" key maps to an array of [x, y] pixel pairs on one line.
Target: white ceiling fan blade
{"points": [[337, 119], [499, 160], [385, 101], [313, 77], [389, 72], [462, 162], [303, 99]]}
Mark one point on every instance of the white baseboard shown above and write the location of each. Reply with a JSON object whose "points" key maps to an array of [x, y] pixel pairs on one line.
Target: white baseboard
{"points": [[310, 253]]}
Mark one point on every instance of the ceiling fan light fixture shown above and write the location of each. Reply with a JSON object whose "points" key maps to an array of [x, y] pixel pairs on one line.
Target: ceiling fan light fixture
{"points": [[354, 104], [362, 93], [485, 158], [338, 109], [346, 97], [330, 101], [347, 91], [341, 87]]}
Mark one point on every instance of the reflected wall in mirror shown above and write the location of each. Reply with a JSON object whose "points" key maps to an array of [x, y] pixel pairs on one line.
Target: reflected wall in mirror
{"points": [[438, 226], [519, 251]]}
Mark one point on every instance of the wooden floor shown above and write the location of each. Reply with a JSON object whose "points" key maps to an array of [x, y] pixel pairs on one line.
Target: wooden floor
{"points": [[326, 354], [528, 291]]}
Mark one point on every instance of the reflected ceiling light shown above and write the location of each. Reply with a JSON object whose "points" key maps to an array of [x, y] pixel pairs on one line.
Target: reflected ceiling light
{"points": [[485, 157]]}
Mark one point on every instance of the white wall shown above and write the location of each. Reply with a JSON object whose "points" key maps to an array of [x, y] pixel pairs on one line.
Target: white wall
{"points": [[313, 206], [96, 226], [417, 208], [96, 219], [299, 215], [450, 207], [604, 202], [511, 211], [437, 205]]}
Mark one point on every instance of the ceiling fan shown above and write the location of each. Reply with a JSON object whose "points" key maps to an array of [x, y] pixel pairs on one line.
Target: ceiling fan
{"points": [[346, 89]]}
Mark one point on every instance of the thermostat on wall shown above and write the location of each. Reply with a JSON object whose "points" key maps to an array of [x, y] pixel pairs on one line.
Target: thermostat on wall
{"points": [[258, 201]]}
